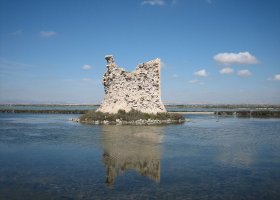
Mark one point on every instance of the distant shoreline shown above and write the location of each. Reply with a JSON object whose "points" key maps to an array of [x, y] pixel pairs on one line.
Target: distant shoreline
{"points": [[263, 106], [237, 110], [84, 111], [236, 113]]}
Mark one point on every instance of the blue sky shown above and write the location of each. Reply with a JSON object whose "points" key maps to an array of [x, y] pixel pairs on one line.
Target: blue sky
{"points": [[213, 51]]}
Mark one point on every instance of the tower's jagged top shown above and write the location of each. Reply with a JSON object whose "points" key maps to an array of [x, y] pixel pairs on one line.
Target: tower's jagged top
{"points": [[139, 90]]}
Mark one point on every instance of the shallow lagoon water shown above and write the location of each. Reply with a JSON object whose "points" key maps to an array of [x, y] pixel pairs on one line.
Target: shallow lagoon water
{"points": [[49, 157]]}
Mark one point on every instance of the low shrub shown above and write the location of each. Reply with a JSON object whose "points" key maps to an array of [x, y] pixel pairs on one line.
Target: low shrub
{"points": [[132, 115]]}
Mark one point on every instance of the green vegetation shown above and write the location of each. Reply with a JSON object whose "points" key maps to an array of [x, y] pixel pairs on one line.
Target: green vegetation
{"points": [[253, 113], [132, 115]]}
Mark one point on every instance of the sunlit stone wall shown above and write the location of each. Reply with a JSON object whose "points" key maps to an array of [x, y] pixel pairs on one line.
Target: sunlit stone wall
{"points": [[139, 90]]}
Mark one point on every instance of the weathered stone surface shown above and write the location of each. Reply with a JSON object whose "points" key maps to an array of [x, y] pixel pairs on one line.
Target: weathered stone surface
{"points": [[139, 90]]}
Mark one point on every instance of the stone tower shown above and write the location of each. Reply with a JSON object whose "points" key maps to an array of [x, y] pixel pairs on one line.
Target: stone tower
{"points": [[138, 90]]}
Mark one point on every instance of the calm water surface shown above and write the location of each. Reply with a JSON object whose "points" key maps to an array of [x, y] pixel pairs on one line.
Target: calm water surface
{"points": [[50, 157]]}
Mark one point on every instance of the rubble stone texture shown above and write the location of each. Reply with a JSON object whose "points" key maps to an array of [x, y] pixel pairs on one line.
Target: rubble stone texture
{"points": [[139, 90]]}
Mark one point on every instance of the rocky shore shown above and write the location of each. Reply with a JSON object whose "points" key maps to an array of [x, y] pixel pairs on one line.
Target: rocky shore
{"points": [[133, 122], [132, 117]]}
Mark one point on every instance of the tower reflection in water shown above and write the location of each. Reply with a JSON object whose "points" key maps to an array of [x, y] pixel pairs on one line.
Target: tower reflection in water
{"points": [[132, 148]]}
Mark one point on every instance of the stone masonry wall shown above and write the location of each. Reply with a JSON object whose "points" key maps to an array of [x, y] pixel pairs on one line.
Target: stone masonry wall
{"points": [[139, 90]]}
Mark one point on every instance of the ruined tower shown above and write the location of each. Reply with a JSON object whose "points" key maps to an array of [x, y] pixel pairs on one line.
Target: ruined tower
{"points": [[139, 90]]}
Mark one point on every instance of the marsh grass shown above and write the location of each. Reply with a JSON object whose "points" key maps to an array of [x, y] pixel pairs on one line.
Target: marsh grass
{"points": [[253, 113], [132, 115]]}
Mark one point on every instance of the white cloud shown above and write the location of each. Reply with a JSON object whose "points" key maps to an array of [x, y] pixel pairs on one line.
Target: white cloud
{"points": [[47, 34], [17, 32], [227, 70], [244, 73], [195, 81], [175, 76], [86, 67], [153, 2], [235, 58], [201, 73], [275, 78]]}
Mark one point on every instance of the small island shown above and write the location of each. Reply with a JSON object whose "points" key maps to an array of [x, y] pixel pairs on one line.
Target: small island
{"points": [[132, 117], [131, 97]]}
